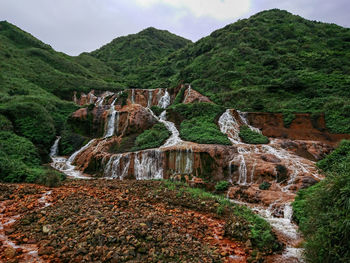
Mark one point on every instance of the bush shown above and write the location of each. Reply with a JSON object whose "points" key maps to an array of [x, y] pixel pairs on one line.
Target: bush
{"points": [[152, 138], [264, 186], [198, 123], [201, 131], [221, 186], [322, 210], [288, 118], [157, 110], [17, 156], [252, 137]]}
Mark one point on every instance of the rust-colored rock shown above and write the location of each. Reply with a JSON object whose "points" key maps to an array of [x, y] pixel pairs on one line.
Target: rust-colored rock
{"points": [[192, 96], [303, 127]]}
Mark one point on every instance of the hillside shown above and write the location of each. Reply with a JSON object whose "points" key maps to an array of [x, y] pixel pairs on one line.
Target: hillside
{"points": [[130, 55], [273, 61], [33, 81]]}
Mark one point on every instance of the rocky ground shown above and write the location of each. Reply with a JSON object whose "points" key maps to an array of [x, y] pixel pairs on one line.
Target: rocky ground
{"points": [[112, 221]]}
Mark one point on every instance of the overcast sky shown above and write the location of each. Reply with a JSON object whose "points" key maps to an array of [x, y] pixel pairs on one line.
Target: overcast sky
{"points": [[75, 26]]}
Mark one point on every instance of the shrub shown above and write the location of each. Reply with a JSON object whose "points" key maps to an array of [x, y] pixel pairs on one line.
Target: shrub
{"points": [[252, 137], [152, 138], [157, 110], [199, 123], [322, 210], [264, 186], [221, 186], [288, 118], [5, 124]]}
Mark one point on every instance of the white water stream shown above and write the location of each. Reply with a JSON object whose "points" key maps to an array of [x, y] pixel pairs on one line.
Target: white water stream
{"points": [[111, 120], [284, 225]]}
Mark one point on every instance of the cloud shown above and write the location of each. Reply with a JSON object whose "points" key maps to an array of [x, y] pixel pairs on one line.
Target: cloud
{"points": [[217, 9]]}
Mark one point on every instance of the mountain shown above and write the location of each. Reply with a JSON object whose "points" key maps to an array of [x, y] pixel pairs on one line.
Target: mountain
{"points": [[273, 61], [34, 79], [129, 55]]}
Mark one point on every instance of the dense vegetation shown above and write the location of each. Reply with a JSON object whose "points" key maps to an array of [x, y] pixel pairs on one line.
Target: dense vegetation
{"points": [[322, 210], [152, 138], [273, 61], [198, 122], [33, 81], [252, 137], [131, 56]]}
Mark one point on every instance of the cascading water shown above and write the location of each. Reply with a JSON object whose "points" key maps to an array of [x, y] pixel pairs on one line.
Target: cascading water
{"points": [[148, 165], [243, 117], [118, 166], [111, 121], [150, 97], [174, 139], [133, 96], [66, 166], [229, 125], [164, 101], [188, 92], [54, 148]]}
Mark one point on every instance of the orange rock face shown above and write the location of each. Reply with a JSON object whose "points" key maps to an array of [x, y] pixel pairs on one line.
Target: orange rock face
{"points": [[303, 127], [191, 96]]}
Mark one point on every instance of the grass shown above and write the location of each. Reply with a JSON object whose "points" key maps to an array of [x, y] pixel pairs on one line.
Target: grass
{"points": [[252, 137]]}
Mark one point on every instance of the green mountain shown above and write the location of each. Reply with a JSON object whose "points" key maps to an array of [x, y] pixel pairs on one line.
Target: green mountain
{"points": [[130, 55], [273, 61], [33, 81]]}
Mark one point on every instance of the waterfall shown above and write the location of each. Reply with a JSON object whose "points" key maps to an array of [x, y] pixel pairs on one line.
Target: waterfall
{"points": [[72, 157], [183, 161], [188, 92], [149, 99], [243, 117], [54, 148], [111, 121], [118, 166], [66, 166], [229, 125], [175, 135], [133, 96], [148, 165], [242, 171], [164, 101]]}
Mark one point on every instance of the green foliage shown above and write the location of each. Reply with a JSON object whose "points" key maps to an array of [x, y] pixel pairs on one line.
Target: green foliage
{"points": [[264, 186], [198, 123], [221, 186], [157, 110], [5, 124], [322, 210], [252, 137], [152, 138], [17, 156], [340, 155], [179, 96], [131, 56], [288, 118], [274, 62]]}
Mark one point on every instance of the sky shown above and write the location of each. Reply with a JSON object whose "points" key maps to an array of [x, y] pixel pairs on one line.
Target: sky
{"points": [[76, 26]]}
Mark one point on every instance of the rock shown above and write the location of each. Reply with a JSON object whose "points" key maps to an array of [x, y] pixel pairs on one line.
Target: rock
{"points": [[10, 252], [192, 96], [47, 229], [270, 158]]}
